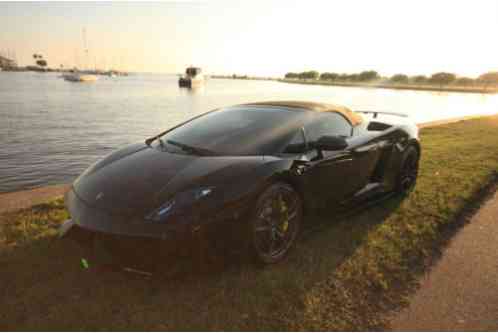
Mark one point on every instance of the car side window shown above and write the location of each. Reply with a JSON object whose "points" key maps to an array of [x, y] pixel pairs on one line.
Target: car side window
{"points": [[327, 123], [297, 144]]}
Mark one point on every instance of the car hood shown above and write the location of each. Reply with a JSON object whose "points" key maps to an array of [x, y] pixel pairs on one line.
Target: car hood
{"points": [[139, 178]]}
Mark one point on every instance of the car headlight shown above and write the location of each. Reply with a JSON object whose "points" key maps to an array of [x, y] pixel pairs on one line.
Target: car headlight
{"points": [[179, 201]]}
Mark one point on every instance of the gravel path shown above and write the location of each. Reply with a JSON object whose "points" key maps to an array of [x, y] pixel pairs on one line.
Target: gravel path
{"points": [[28, 198], [460, 293]]}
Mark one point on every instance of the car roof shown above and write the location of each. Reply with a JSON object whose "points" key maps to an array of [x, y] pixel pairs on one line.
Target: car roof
{"points": [[353, 118]]}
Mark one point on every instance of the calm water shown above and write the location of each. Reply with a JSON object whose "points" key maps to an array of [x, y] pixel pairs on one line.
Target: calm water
{"points": [[51, 130]]}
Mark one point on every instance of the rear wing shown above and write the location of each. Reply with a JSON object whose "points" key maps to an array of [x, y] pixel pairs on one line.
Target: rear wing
{"points": [[376, 113]]}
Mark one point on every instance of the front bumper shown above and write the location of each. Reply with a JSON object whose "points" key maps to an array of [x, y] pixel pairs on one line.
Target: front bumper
{"points": [[224, 225], [96, 220]]}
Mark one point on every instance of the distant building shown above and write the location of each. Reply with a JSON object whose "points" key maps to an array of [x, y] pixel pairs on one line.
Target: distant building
{"points": [[7, 63]]}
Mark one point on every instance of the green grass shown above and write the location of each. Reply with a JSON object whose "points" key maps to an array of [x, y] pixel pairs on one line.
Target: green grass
{"points": [[345, 275]]}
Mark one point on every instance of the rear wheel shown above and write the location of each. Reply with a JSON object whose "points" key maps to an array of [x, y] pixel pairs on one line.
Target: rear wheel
{"points": [[408, 173], [276, 222]]}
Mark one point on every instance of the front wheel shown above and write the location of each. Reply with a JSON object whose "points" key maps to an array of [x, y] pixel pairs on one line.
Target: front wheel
{"points": [[276, 222], [408, 173]]}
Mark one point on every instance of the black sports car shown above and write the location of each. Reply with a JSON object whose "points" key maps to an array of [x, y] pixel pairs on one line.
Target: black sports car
{"points": [[244, 175]]}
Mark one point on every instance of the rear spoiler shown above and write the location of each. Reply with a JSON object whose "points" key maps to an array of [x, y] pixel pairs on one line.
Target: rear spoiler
{"points": [[375, 113]]}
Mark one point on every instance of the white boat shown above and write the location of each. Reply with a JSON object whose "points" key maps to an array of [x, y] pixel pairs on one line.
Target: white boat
{"points": [[193, 78], [79, 77]]}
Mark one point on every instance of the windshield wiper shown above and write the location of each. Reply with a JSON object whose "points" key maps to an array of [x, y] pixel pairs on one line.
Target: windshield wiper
{"points": [[191, 149], [150, 140]]}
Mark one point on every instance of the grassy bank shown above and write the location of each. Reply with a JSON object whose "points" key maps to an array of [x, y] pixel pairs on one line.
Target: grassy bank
{"points": [[344, 275], [401, 86]]}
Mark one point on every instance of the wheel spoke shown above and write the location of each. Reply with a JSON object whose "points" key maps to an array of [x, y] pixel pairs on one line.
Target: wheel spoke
{"points": [[262, 229], [275, 204], [293, 207], [272, 246], [266, 219], [280, 234], [292, 215]]}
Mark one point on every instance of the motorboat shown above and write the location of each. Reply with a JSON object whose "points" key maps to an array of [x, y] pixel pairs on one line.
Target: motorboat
{"points": [[193, 78]]}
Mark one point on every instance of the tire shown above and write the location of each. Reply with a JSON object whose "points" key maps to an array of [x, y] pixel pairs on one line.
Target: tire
{"points": [[275, 223], [408, 173]]}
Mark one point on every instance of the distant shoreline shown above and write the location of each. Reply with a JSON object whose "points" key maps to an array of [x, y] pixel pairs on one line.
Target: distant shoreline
{"points": [[479, 90], [395, 86], [244, 77]]}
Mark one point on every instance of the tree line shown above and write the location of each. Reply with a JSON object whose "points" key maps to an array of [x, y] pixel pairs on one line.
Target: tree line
{"points": [[441, 78], [39, 60]]}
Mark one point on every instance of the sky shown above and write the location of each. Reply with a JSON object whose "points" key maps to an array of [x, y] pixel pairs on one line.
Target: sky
{"points": [[262, 38]]}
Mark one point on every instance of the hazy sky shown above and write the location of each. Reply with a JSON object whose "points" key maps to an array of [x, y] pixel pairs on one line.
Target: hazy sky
{"points": [[259, 38]]}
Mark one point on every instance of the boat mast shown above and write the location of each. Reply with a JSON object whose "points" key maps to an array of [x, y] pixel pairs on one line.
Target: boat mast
{"points": [[85, 48]]}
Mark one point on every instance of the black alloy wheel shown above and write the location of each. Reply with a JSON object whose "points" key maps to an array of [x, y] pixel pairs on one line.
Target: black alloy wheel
{"points": [[276, 222]]}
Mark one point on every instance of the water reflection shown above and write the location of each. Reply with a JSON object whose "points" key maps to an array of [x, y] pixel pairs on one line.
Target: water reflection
{"points": [[196, 90]]}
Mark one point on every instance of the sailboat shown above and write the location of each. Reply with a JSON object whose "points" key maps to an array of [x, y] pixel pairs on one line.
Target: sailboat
{"points": [[77, 76]]}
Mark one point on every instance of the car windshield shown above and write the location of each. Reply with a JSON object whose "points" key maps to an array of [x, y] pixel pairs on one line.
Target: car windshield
{"points": [[235, 131]]}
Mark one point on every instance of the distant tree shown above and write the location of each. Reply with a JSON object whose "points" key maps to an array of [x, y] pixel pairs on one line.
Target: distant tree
{"points": [[353, 77], [419, 79], [42, 63], [442, 78], [399, 78], [343, 77], [464, 81], [329, 76], [291, 75], [490, 78], [368, 76], [312, 75]]}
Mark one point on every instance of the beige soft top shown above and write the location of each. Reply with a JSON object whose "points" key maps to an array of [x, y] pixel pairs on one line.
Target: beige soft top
{"points": [[352, 117]]}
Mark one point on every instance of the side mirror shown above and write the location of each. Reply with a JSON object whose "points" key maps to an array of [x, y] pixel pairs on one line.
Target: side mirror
{"points": [[327, 142]]}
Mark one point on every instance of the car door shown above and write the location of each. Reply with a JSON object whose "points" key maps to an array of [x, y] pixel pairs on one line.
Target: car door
{"points": [[369, 149], [365, 157], [328, 176]]}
